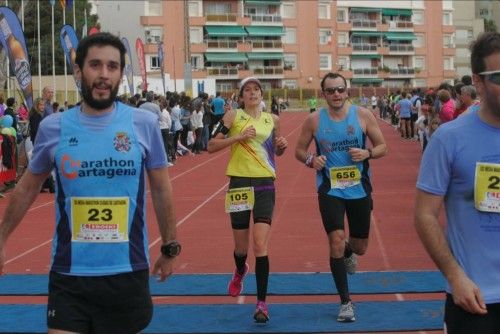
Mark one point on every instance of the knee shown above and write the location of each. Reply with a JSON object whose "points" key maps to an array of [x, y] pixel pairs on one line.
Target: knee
{"points": [[259, 247]]}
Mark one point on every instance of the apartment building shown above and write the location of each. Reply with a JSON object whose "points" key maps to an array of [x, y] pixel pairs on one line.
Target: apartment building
{"points": [[293, 43]]}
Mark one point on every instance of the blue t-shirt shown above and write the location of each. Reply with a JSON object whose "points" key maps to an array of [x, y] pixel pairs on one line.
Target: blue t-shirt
{"points": [[100, 164], [405, 108], [448, 169], [333, 140]]}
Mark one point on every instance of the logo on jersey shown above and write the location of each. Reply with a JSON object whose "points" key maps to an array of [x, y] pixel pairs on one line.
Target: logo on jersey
{"points": [[73, 141], [122, 142], [350, 130], [107, 167]]}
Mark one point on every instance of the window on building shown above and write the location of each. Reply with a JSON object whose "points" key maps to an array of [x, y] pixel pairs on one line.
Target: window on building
{"points": [[324, 10], [448, 63], [419, 42], [342, 39], [484, 12], [447, 19], [325, 61], [418, 17], [154, 8], [290, 36], [341, 15], [343, 63], [290, 61], [325, 36], [420, 83], [462, 53], [289, 10], [448, 41], [153, 34], [290, 84], [217, 8], [224, 87], [194, 9], [419, 62], [196, 61], [196, 35], [154, 63]]}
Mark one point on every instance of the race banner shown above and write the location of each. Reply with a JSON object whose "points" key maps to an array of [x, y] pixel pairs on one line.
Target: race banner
{"points": [[129, 69], [12, 39], [69, 43], [139, 49], [162, 71]]}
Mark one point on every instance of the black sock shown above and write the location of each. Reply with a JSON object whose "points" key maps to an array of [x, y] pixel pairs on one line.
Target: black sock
{"points": [[240, 261], [337, 266], [347, 250], [261, 276]]}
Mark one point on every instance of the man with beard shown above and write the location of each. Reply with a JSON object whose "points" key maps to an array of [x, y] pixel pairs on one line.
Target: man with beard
{"points": [[460, 168], [342, 177], [101, 151]]}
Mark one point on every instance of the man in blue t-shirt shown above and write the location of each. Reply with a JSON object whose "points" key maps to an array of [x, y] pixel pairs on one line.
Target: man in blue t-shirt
{"points": [[101, 151], [461, 169], [218, 108]]}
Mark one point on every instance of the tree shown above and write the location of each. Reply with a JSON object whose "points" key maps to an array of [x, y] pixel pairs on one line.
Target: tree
{"points": [[490, 25], [31, 33]]}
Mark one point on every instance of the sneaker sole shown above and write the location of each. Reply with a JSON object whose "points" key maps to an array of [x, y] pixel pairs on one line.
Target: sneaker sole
{"points": [[346, 320], [260, 318]]}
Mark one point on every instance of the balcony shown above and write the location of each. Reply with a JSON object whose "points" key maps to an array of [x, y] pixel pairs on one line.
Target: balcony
{"points": [[364, 47], [266, 18], [363, 23], [402, 71], [365, 71], [401, 48], [400, 25], [229, 17], [267, 44], [268, 70], [223, 71], [221, 44]]}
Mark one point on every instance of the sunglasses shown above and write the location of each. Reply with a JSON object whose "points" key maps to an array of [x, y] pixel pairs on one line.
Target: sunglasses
{"points": [[492, 76], [332, 90]]}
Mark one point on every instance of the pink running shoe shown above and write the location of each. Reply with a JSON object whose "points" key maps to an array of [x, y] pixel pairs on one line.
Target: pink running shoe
{"points": [[236, 285], [261, 314]]}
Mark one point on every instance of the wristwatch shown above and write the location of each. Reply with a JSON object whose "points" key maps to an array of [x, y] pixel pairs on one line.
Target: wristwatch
{"points": [[171, 249]]}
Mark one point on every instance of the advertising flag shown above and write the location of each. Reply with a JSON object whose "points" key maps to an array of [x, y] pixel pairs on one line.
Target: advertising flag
{"points": [[129, 69], [139, 49], [69, 43], [12, 39], [161, 58]]}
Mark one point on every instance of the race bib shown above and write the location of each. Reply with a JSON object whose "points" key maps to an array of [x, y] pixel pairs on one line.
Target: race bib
{"points": [[487, 187], [99, 219], [240, 199], [344, 177]]}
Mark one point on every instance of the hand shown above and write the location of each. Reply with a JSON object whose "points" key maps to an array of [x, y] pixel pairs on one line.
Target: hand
{"points": [[467, 295], [319, 162], [358, 154], [281, 143], [248, 133], [163, 267]]}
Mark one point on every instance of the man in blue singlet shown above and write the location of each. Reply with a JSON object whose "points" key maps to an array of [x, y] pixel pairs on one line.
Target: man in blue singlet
{"points": [[342, 177], [101, 151], [461, 169]]}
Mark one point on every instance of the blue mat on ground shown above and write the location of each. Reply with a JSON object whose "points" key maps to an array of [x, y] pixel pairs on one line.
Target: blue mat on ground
{"points": [[285, 318], [279, 284]]}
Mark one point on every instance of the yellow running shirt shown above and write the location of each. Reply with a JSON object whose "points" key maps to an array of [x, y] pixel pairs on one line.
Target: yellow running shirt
{"points": [[253, 157]]}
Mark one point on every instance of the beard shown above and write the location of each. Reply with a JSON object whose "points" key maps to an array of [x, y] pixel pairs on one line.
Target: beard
{"points": [[86, 90]]}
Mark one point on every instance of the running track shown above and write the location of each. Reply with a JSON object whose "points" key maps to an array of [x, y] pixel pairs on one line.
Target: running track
{"points": [[298, 242]]}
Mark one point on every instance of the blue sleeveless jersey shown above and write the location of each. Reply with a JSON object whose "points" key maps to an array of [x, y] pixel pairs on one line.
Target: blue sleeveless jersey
{"points": [[100, 207], [333, 140]]}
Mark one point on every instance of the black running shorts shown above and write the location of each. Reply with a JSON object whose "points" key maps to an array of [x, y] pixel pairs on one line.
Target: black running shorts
{"points": [[358, 213], [99, 304], [264, 201]]}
